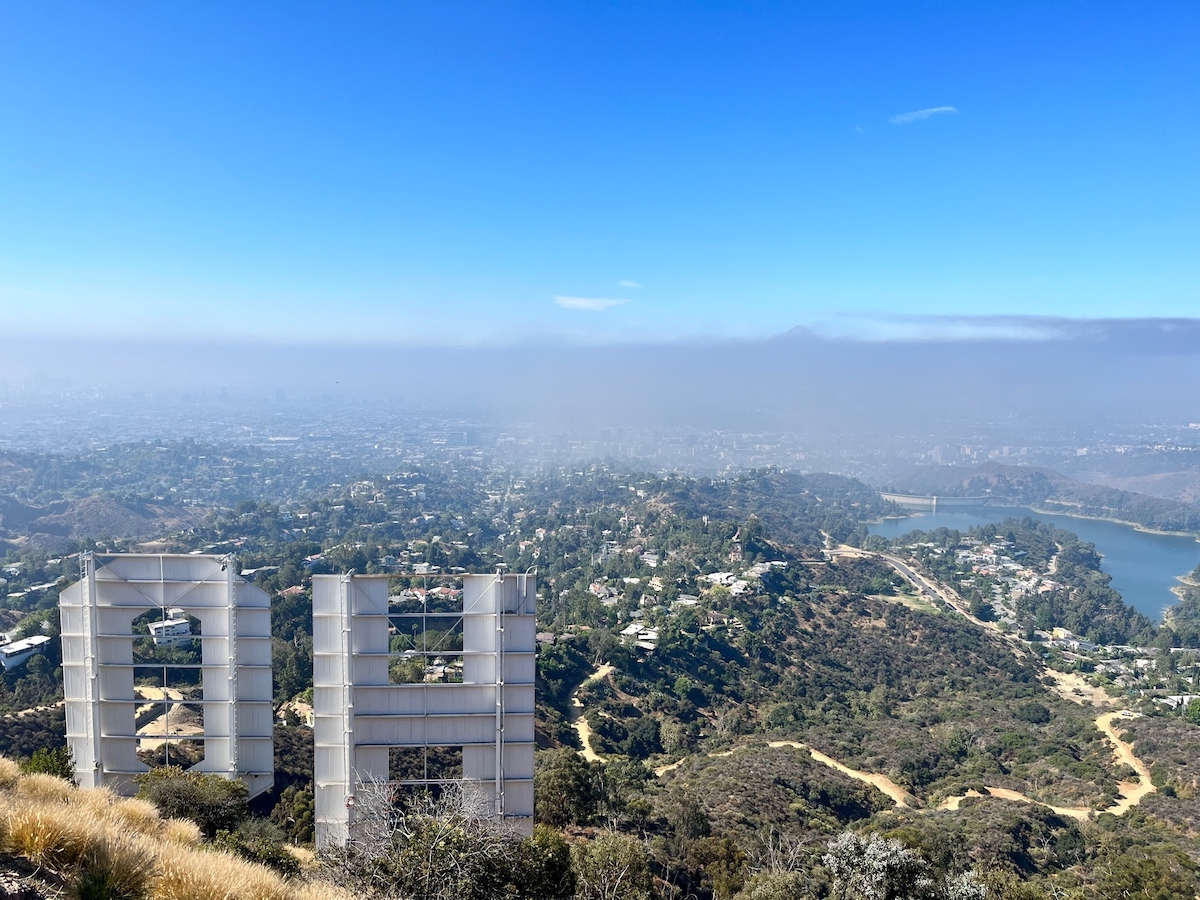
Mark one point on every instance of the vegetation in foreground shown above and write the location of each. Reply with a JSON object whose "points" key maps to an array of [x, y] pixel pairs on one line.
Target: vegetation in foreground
{"points": [[837, 654], [94, 845]]}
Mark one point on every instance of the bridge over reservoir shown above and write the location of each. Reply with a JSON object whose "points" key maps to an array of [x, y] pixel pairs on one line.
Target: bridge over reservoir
{"points": [[933, 504]]}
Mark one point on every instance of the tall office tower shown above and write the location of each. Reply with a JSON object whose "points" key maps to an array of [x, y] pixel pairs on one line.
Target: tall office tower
{"points": [[100, 667], [360, 715]]}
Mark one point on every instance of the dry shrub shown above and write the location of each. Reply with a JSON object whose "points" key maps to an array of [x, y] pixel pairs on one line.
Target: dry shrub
{"points": [[10, 774], [181, 831], [98, 799], [319, 891], [186, 874], [305, 857], [53, 835], [116, 867], [139, 815], [6, 812], [44, 789], [125, 813]]}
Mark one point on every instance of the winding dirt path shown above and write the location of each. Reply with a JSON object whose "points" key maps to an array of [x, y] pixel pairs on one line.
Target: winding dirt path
{"points": [[21, 713], [1079, 813], [899, 795], [1130, 793], [576, 718]]}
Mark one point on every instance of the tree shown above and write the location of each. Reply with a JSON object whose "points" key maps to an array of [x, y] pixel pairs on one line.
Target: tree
{"points": [[612, 867], [723, 862], [688, 816], [718, 595], [876, 869], [1147, 877], [567, 788], [884, 869], [260, 841], [1033, 712], [1192, 712], [775, 886], [543, 870]]}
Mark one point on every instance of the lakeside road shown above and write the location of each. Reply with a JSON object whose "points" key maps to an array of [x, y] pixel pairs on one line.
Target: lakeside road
{"points": [[923, 583], [1145, 564]]}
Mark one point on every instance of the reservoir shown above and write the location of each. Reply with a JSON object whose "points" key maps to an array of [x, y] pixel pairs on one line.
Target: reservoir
{"points": [[1144, 567]]}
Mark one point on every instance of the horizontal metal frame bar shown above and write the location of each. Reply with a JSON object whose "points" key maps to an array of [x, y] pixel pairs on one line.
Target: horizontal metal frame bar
{"points": [[483, 714], [490, 742], [129, 634], [142, 702], [410, 653], [415, 782], [433, 685], [112, 578], [97, 555], [224, 667], [182, 737], [144, 771], [389, 576]]}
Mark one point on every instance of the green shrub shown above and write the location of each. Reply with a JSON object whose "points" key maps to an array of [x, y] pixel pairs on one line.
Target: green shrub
{"points": [[212, 802], [259, 841], [50, 761]]}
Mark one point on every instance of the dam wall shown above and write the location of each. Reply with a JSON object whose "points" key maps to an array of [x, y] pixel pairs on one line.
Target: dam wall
{"points": [[932, 504]]}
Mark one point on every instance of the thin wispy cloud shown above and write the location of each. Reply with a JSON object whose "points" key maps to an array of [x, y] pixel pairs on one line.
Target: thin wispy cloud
{"points": [[920, 115], [590, 304], [628, 284], [885, 327]]}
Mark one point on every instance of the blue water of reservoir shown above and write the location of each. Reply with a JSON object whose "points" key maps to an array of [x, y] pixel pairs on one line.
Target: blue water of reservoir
{"points": [[1144, 567]]}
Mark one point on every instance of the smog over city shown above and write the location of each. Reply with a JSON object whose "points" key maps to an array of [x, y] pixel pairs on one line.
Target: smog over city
{"points": [[645, 450]]}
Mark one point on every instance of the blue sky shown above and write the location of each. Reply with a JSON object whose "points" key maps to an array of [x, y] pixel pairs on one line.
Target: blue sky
{"points": [[455, 172]]}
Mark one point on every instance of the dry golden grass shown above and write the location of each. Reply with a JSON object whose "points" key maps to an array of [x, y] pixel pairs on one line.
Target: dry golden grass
{"points": [[10, 774], [116, 866], [186, 874], [320, 891], [53, 835], [44, 789], [138, 815], [108, 846], [181, 831], [304, 856], [100, 798]]}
